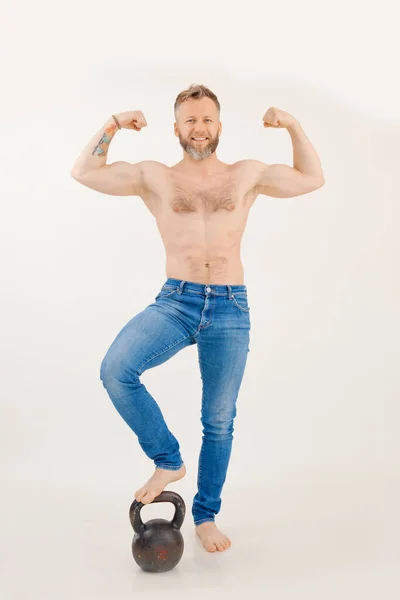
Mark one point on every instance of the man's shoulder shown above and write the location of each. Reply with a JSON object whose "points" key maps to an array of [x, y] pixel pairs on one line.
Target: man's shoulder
{"points": [[248, 164], [152, 170], [153, 165], [248, 171]]}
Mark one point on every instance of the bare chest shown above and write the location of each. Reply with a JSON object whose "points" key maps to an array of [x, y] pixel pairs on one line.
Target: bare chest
{"points": [[207, 199], [177, 198]]}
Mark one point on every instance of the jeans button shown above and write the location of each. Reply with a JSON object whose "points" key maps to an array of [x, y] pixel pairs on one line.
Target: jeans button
{"points": [[208, 289]]}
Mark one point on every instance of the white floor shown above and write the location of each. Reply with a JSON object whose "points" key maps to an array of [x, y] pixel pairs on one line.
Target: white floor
{"points": [[326, 535]]}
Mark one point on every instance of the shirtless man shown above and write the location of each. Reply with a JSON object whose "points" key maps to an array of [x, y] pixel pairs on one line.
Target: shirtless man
{"points": [[201, 206]]}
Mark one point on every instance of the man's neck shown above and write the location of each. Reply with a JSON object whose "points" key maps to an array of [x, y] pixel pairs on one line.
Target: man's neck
{"points": [[199, 169]]}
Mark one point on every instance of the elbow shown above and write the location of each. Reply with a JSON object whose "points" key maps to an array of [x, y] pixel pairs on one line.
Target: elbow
{"points": [[76, 175]]}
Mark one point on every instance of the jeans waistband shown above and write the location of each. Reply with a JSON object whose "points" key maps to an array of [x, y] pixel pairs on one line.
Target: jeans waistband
{"points": [[206, 288]]}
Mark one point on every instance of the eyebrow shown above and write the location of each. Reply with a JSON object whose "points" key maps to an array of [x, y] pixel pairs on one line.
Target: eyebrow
{"points": [[194, 116]]}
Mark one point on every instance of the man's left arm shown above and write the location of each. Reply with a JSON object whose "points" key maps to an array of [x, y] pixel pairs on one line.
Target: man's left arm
{"points": [[283, 181]]}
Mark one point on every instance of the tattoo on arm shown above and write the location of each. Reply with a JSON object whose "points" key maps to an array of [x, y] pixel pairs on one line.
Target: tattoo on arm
{"points": [[102, 147]]}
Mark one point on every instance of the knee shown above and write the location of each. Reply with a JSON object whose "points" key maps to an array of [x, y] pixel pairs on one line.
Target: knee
{"points": [[104, 369], [218, 428], [113, 369]]}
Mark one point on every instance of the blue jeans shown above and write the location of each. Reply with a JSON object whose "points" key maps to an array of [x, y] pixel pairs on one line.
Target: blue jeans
{"points": [[217, 319]]}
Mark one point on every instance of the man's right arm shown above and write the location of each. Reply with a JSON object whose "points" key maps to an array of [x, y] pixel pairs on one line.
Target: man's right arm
{"points": [[117, 179]]}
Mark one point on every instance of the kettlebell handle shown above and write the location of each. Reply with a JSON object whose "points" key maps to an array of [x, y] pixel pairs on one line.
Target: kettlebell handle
{"points": [[165, 496]]}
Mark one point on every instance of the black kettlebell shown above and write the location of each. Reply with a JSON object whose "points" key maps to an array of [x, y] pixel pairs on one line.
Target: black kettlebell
{"points": [[157, 545]]}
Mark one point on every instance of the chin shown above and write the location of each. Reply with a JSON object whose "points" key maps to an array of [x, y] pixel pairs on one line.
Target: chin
{"points": [[199, 156]]}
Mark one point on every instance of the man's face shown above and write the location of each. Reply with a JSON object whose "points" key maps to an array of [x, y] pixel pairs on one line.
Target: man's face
{"points": [[198, 119]]}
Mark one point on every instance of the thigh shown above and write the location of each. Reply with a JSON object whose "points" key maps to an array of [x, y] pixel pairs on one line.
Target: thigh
{"points": [[222, 360], [149, 339]]}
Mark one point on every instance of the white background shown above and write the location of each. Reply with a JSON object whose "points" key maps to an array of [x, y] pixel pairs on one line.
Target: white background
{"points": [[310, 502]]}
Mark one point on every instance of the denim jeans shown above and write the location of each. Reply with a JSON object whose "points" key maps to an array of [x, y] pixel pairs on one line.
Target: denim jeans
{"points": [[217, 319]]}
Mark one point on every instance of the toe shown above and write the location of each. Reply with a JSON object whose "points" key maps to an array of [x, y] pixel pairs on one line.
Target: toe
{"points": [[147, 498], [143, 494], [138, 495]]}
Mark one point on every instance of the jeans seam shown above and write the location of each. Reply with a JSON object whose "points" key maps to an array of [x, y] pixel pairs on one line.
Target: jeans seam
{"points": [[246, 310], [163, 352], [161, 295]]}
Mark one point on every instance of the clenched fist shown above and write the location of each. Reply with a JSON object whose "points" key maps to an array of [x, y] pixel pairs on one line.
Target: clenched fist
{"points": [[274, 117], [133, 119]]}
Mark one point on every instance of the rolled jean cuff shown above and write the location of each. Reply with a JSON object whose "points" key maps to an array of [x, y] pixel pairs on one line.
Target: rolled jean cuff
{"points": [[204, 521], [169, 467]]}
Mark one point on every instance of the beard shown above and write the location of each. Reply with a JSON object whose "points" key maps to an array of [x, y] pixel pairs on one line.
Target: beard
{"points": [[199, 151]]}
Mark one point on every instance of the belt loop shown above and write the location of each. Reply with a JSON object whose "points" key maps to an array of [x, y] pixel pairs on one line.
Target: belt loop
{"points": [[229, 292], [180, 287]]}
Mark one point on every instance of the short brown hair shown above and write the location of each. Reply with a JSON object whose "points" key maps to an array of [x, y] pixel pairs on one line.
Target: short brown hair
{"points": [[195, 91]]}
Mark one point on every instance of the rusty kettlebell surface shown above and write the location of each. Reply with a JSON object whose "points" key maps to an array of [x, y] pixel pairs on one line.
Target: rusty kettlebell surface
{"points": [[157, 545]]}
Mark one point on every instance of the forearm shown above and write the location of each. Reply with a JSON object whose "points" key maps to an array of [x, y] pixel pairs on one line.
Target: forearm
{"points": [[94, 155], [305, 158]]}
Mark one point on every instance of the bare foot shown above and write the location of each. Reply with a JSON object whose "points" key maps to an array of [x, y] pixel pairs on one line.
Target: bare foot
{"points": [[156, 483], [212, 538]]}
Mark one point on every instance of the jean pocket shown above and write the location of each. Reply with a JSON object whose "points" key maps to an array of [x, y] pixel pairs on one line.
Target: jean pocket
{"points": [[240, 301], [166, 291]]}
